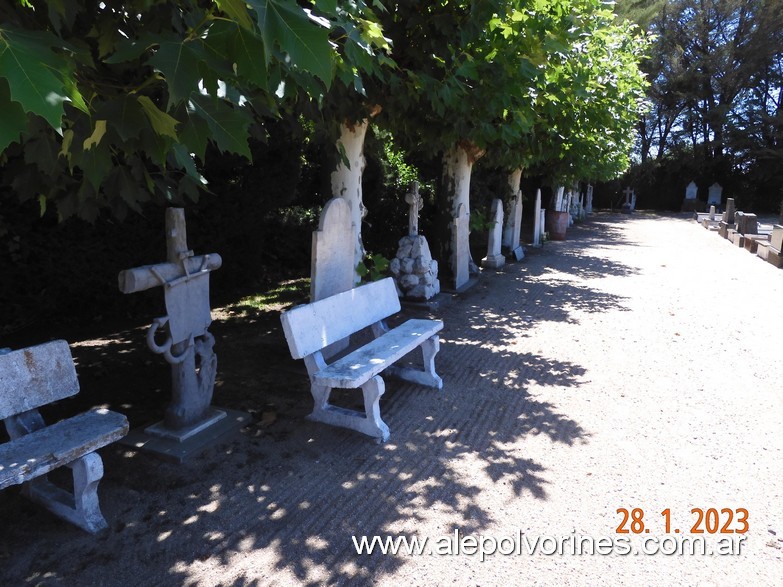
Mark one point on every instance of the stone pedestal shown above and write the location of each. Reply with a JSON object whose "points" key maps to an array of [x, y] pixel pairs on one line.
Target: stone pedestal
{"points": [[414, 270]]}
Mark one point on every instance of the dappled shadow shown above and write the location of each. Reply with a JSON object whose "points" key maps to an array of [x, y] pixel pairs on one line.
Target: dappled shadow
{"points": [[280, 501]]}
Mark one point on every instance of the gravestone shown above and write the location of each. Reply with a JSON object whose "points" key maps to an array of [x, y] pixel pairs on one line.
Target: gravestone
{"points": [[712, 212], [746, 223], [541, 223], [589, 204], [728, 213], [494, 258], [714, 196], [537, 221], [630, 200], [190, 422], [414, 270], [691, 191], [460, 247], [331, 266], [513, 228]]}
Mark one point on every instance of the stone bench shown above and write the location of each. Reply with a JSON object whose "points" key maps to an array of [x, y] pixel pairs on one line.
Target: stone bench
{"points": [[312, 327], [34, 377]]}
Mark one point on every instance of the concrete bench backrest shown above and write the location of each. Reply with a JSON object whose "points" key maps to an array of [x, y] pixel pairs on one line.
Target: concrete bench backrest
{"points": [[312, 327], [36, 376]]}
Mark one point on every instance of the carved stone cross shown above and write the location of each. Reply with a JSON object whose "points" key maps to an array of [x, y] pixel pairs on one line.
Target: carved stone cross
{"points": [[628, 192], [187, 344], [414, 199]]}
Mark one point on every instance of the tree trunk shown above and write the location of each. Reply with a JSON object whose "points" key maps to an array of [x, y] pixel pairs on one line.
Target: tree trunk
{"points": [[514, 179], [347, 180], [453, 190]]}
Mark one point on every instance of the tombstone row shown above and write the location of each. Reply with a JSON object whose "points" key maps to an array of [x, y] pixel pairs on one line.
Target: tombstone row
{"points": [[744, 230]]}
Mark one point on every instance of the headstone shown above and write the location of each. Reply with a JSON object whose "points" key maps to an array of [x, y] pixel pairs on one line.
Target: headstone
{"points": [[746, 223], [513, 228], [691, 191], [712, 213], [559, 200], [630, 200], [460, 247], [541, 221], [589, 204], [187, 344], [776, 239], [714, 196], [537, 222], [414, 270], [494, 258], [728, 213], [331, 264]]}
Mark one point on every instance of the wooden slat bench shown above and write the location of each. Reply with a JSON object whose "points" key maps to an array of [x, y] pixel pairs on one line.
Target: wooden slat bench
{"points": [[34, 377], [312, 327]]}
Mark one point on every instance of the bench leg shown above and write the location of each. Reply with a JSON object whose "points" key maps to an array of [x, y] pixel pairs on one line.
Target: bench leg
{"points": [[427, 376], [81, 507], [369, 423]]}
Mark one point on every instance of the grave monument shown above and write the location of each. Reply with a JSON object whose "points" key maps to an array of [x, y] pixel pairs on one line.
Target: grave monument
{"points": [[414, 270], [494, 258], [190, 422]]}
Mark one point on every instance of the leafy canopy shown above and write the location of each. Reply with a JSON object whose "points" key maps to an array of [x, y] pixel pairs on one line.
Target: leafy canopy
{"points": [[111, 104]]}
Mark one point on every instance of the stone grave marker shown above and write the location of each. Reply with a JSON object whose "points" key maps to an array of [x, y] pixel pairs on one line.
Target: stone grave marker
{"points": [[494, 258], [190, 422], [714, 195], [691, 191], [727, 220], [460, 247], [630, 200], [513, 228], [537, 222], [413, 268], [589, 204], [332, 269]]}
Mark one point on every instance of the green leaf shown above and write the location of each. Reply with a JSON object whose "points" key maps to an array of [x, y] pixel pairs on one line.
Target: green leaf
{"points": [[229, 125], [123, 115], [286, 25], [179, 62], [14, 118], [97, 134], [243, 48], [162, 123], [34, 72], [237, 10], [195, 131]]}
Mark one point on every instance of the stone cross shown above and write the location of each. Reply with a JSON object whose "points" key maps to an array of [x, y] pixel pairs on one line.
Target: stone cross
{"points": [[416, 203], [187, 344]]}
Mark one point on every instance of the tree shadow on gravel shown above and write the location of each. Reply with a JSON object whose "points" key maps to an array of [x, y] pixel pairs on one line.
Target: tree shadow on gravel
{"points": [[280, 501]]}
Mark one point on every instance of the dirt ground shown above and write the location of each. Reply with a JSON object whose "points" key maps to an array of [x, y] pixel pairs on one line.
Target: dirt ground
{"points": [[635, 365]]}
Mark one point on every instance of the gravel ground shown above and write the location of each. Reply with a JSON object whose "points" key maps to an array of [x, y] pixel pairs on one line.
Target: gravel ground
{"points": [[635, 365]]}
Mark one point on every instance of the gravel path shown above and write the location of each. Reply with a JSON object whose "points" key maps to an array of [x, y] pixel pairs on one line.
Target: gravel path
{"points": [[636, 365]]}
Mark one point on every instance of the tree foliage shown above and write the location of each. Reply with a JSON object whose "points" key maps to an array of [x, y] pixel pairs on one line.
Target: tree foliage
{"points": [[110, 105]]}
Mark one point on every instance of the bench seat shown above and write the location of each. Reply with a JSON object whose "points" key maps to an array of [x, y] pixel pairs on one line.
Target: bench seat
{"points": [[311, 328], [59, 444], [366, 362]]}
